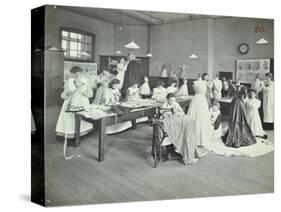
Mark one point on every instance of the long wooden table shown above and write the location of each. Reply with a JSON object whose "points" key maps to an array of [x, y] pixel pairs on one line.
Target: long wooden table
{"points": [[112, 119]]}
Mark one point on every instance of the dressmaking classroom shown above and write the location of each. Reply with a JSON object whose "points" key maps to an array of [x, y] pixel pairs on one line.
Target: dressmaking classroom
{"points": [[143, 105]]}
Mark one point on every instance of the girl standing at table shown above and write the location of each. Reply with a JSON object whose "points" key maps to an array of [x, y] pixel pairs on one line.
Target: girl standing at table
{"points": [[66, 121], [252, 108], [112, 98], [104, 79], [121, 68], [268, 102]]}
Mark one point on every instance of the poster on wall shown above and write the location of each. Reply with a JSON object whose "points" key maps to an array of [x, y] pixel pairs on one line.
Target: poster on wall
{"points": [[86, 66], [247, 70]]}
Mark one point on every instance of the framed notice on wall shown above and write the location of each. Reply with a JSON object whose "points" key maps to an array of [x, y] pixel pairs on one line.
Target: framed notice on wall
{"points": [[247, 70]]}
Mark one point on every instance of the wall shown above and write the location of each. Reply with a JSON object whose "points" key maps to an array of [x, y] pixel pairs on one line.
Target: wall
{"points": [[229, 33], [214, 41], [124, 35], [56, 18], [174, 43]]}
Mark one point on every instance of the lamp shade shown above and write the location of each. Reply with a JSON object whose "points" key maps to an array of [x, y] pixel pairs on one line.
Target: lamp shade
{"points": [[193, 56], [262, 41], [118, 52], [149, 55], [132, 45]]}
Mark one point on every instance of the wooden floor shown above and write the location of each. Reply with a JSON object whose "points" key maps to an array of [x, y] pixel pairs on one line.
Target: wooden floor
{"points": [[127, 174]]}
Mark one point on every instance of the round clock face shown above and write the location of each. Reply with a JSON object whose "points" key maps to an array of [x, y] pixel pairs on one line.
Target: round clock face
{"points": [[243, 48]]}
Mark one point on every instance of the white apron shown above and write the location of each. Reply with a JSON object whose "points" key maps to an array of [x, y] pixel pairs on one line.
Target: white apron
{"points": [[268, 103]]}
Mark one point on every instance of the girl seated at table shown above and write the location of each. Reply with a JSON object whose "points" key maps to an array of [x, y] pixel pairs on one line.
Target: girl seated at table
{"points": [[159, 93], [173, 87], [180, 130], [133, 92], [252, 112], [66, 121], [216, 117], [183, 91]]}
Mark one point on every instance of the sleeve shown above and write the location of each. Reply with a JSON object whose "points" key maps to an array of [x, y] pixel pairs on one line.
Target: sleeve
{"points": [[178, 109], [257, 103]]}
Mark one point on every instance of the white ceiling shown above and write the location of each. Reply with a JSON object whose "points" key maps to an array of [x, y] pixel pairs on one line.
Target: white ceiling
{"points": [[115, 16]]}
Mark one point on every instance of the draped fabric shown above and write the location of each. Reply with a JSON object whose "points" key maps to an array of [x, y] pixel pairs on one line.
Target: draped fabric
{"points": [[239, 132], [181, 132], [132, 75]]}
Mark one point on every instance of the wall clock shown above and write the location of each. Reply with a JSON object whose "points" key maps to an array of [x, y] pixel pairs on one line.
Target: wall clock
{"points": [[243, 48]]}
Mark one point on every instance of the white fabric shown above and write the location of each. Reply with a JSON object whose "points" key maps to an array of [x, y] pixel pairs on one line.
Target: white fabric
{"points": [[183, 91], [145, 89], [253, 116], [268, 103], [164, 73], [199, 111], [213, 117], [260, 148], [133, 93], [217, 89]]}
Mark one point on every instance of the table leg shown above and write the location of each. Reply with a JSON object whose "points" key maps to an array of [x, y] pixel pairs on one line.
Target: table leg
{"points": [[77, 130], [134, 124], [101, 139]]}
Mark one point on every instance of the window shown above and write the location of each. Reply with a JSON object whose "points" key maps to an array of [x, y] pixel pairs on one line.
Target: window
{"points": [[78, 45]]}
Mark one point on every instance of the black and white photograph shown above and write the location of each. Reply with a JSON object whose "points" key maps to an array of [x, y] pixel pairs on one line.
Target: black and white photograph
{"points": [[139, 105]]}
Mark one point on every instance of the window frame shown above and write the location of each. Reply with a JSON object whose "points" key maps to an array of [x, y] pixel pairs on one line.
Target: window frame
{"points": [[74, 30]]}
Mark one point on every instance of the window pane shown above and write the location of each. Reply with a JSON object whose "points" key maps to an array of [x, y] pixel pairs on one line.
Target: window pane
{"points": [[79, 47], [73, 45], [88, 39], [88, 48], [64, 33], [64, 44], [79, 37], [73, 53], [73, 35]]}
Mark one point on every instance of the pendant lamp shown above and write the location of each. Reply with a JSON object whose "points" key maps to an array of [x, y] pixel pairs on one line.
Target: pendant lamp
{"points": [[132, 44]]}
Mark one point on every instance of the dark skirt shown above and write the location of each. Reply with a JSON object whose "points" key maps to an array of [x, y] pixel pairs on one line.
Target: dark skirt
{"points": [[239, 132]]}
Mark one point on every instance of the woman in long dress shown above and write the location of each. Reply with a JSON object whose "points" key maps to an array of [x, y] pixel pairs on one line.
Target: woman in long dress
{"points": [[121, 68], [268, 101], [239, 132], [104, 79], [217, 88], [199, 111], [252, 108], [66, 121]]}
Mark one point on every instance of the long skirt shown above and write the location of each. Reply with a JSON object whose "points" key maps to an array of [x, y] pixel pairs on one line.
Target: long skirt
{"points": [[66, 123], [199, 112]]}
